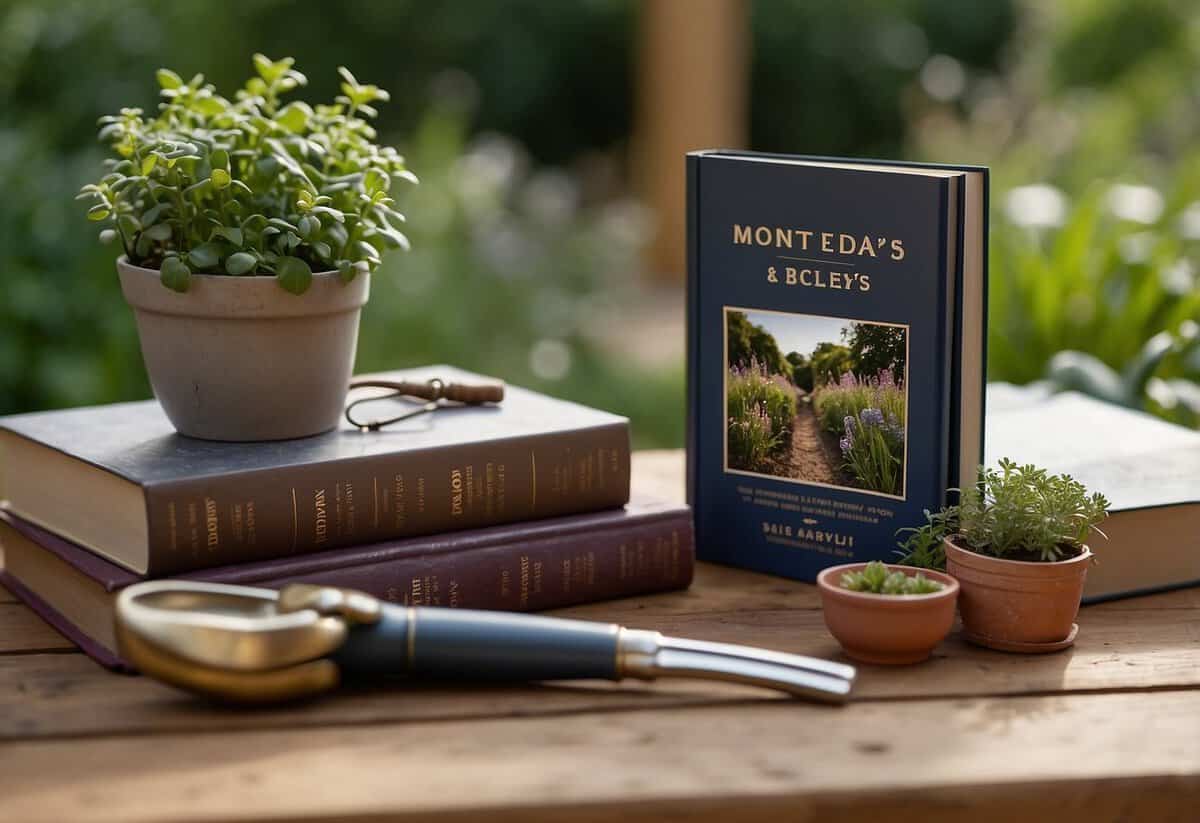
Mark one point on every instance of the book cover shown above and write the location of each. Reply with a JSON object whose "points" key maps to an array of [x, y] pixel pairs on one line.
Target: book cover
{"points": [[835, 353], [1147, 468], [119, 480], [643, 548]]}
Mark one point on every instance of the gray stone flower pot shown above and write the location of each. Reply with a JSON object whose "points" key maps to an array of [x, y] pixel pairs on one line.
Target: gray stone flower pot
{"points": [[239, 358]]}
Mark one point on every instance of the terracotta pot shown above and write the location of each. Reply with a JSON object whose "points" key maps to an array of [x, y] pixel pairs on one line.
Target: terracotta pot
{"points": [[1009, 603], [887, 628], [239, 358]]}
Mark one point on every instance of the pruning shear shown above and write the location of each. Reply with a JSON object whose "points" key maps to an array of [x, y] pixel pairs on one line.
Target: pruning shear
{"points": [[244, 644], [436, 394]]}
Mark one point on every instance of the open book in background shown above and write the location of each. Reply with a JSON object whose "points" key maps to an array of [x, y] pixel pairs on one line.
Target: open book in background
{"points": [[1148, 469]]}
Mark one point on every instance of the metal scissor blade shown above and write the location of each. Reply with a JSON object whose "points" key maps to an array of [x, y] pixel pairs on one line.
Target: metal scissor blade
{"points": [[795, 680], [732, 650]]}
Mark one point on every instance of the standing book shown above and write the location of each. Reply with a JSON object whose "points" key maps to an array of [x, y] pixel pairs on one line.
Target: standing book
{"points": [[118, 480], [564, 561], [836, 320]]}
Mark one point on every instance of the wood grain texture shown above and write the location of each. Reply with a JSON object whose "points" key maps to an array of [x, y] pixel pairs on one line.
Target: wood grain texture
{"points": [[23, 631], [69, 695], [1105, 732], [785, 756]]}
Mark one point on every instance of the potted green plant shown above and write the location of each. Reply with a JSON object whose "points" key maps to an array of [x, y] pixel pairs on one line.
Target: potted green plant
{"points": [[1016, 543], [249, 228], [886, 614]]}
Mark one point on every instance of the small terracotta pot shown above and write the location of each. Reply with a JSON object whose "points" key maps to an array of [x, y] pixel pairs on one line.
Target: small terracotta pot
{"points": [[239, 358], [887, 628], [1009, 603]]}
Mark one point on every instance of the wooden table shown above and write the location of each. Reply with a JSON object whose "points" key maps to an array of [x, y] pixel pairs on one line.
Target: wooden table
{"points": [[1107, 731]]}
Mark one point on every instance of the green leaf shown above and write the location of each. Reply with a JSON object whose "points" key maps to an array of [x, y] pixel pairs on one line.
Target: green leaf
{"points": [[148, 163], [231, 233], [267, 68], [108, 235], [375, 181], [346, 271], [294, 116], [159, 232], [294, 274], [175, 274], [205, 256], [151, 215], [240, 262], [210, 106], [98, 213], [329, 212], [220, 179], [308, 226], [168, 79]]}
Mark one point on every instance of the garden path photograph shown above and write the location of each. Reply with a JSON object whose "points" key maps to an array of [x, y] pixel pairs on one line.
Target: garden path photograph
{"points": [[820, 400]]}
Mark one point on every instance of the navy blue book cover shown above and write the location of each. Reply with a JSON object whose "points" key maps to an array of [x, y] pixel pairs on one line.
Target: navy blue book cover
{"points": [[823, 346]]}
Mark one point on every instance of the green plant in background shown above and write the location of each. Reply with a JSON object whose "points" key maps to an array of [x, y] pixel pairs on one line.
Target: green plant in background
{"points": [[876, 579], [250, 186], [760, 408], [1015, 512], [1105, 303]]}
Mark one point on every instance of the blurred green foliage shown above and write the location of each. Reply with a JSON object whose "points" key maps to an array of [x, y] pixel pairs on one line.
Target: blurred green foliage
{"points": [[516, 115], [1091, 134]]}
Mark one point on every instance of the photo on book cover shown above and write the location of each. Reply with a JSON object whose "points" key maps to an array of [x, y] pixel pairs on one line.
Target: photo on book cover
{"points": [[816, 400]]}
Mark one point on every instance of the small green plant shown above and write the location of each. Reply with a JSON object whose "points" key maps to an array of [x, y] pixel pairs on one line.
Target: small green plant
{"points": [[1019, 512], [251, 185], [876, 579]]}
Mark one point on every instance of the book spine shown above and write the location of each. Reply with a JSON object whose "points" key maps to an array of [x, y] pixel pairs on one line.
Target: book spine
{"points": [[259, 515], [547, 573]]}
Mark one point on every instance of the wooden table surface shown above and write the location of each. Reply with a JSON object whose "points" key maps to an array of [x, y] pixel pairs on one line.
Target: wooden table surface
{"points": [[1109, 730]]}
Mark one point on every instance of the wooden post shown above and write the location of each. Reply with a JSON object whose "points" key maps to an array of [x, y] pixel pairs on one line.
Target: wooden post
{"points": [[691, 94]]}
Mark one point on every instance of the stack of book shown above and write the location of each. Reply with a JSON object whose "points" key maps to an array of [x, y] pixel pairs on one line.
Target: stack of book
{"points": [[520, 506]]}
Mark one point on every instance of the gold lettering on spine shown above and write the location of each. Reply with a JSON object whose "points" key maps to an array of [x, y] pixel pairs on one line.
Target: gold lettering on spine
{"points": [[524, 591], [456, 492], [321, 517], [211, 524]]}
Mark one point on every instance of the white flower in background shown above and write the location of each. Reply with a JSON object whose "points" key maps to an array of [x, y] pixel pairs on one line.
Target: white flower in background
{"points": [[551, 197], [943, 78], [1136, 248], [1160, 392], [1189, 222], [489, 169], [550, 359], [1138, 204], [1038, 206], [1179, 278]]}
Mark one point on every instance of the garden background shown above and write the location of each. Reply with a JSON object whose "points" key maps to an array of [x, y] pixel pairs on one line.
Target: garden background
{"points": [[532, 126]]}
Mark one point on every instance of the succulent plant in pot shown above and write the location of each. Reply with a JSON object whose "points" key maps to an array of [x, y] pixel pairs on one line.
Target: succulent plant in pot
{"points": [[1017, 544], [887, 614], [249, 228]]}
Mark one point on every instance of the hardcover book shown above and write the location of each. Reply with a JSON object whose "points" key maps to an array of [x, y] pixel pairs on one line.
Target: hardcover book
{"points": [[643, 548], [836, 313], [119, 480], [1148, 469]]}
